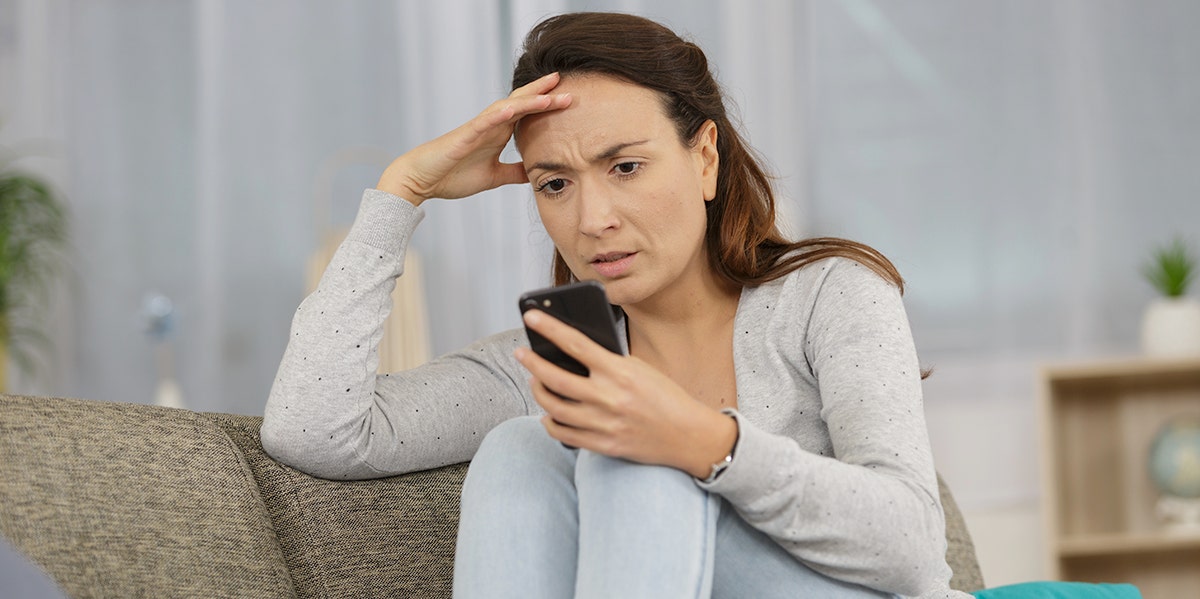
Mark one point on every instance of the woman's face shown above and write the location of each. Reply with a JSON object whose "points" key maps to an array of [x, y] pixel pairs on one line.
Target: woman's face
{"points": [[621, 196]]}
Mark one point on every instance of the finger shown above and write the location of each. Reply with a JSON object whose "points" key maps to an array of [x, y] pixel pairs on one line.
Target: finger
{"points": [[566, 384], [540, 85], [510, 110], [511, 173], [553, 403], [492, 128], [570, 436], [566, 412], [494, 125], [569, 339]]}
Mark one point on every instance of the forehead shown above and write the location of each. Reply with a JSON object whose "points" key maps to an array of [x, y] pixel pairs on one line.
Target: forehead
{"points": [[603, 110]]}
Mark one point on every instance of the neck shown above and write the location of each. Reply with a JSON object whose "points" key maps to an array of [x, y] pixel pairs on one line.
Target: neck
{"points": [[685, 314]]}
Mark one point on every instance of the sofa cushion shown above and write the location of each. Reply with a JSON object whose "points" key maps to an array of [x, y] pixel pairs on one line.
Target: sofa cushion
{"points": [[122, 500], [391, 537]]}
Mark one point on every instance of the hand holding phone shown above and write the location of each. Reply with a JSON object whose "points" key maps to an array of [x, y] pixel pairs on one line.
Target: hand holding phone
{"points": [[582, 305]]}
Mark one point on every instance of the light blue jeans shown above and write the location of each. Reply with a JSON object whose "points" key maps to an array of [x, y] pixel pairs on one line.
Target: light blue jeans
{"points": [[541, 520]]}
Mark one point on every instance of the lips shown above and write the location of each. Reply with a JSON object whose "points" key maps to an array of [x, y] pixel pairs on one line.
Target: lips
{"points": [[609, 257], [613, 264]]}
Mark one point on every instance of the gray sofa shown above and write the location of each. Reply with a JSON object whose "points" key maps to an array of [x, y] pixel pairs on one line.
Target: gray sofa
{"points": [[130, 500]]}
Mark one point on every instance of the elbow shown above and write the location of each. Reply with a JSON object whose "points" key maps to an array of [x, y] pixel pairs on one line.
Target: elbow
{"points": [[273, 439], [279, 442], [901, 569], [920, 559], [284, 445], [317, 454], [290, 437], [918, 567], [915, 577]]}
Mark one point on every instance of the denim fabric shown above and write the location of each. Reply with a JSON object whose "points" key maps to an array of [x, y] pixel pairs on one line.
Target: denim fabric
{"points": [[541, 520]]}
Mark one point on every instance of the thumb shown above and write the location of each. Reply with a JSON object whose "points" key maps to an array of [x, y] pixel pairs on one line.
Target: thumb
{"points": [[511, 174]]}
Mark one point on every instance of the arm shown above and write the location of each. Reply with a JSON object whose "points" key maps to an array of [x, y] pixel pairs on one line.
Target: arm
{"points": [[867, 511], [858, 500], [328, 414], [331, 416], [624, 408]]}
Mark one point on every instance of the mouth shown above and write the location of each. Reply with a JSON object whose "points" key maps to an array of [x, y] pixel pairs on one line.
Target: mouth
{"points": [[610, 257], [613, 264]]}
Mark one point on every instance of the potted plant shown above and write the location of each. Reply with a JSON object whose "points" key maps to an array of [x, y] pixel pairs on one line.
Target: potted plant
{"points": [[33, 228], [1171, 325]]}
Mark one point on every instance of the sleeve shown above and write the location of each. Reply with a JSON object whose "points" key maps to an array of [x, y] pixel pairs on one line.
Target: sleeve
{"points": [[870, 513], [329, 414]]}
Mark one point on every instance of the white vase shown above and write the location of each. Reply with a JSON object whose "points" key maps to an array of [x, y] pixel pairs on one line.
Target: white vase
{"points": [[1171, 327]]}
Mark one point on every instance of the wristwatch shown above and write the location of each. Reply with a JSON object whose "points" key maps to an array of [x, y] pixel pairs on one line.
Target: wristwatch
{"points": [[722, 464]]}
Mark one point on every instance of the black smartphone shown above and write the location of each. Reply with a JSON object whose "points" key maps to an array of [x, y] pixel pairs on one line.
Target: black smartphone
{"points": [[582, 305]]}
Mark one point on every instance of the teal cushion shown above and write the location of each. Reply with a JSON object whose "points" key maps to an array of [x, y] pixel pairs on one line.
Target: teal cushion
{"points": [[1060, 590]]}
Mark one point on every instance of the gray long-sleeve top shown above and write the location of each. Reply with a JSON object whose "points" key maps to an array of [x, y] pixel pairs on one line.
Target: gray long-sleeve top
{"points": [[833, 459]]}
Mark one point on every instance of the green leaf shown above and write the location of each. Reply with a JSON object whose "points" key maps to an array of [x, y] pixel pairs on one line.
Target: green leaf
{"points": [[33, 235], [1171, 269]]}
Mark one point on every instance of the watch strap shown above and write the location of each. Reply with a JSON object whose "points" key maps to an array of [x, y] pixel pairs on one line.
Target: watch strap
{"points": [[721, 465]]}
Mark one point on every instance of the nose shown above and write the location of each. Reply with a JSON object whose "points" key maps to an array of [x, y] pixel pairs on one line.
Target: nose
{"points": [[597, 211]]}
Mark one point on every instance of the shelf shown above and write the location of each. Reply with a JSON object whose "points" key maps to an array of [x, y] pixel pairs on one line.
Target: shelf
{"points": [[1126, 543], [1098, 421], [1100, 372]]}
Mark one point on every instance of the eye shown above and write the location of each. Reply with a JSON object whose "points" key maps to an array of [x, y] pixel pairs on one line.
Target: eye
{"points": [[627, 169], [552, 187]]}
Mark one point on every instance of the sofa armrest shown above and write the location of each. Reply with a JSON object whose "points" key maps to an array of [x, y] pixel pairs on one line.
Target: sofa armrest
{"points": [[126, 500]]}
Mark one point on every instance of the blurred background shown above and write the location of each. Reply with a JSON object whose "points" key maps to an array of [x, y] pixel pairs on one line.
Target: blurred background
{"points": [[1019, 161]]}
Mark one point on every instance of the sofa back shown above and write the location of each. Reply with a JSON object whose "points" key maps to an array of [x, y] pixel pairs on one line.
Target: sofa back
{"points": [[391, 537], [129, 500]]}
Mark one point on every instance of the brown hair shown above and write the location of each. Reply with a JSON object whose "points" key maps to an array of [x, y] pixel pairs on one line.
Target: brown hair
{"points": [[743, 243]]}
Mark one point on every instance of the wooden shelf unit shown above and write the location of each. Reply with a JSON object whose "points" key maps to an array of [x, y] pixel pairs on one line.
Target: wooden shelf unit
{"points": [[1098, 422]]}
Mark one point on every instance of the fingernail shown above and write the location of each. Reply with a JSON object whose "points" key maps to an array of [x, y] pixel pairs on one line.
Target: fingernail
{"points": [[533, 317], [562, 97]]}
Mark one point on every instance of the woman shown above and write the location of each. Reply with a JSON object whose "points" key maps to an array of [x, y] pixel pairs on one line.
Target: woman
{"points": [[764, 436]]}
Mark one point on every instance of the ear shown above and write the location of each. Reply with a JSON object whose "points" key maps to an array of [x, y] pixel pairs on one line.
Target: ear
{"points": [[704, 147]]}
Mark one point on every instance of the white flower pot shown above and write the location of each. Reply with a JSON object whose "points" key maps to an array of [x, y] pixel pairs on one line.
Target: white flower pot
{"points": [[1171, 328]]}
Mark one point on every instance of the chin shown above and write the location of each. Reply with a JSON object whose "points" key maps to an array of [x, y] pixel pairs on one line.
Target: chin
{"points": [[621, 292]]}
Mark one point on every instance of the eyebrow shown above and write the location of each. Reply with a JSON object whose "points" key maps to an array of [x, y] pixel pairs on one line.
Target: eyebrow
{"points": [[609, 152]]}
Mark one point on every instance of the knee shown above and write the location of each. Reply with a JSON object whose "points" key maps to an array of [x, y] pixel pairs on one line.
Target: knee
{"points": [[513, 437], [609, 471], [515, 456], [518, 446]]}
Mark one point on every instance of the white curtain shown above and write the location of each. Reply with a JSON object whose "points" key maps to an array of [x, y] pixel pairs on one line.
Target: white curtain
{"points": [[1017, 160]]}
